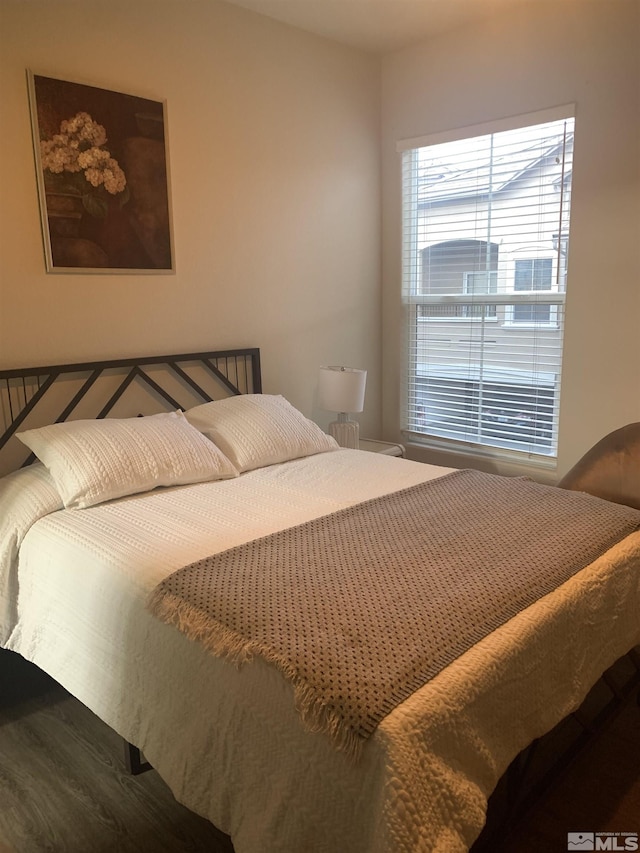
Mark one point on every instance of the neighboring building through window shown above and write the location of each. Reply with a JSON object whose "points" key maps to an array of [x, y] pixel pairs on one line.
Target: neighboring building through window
{"points": [[485, 239]]}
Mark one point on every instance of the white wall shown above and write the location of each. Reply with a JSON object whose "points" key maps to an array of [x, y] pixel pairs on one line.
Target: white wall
{"points": [[275, 178], [540, 55]]}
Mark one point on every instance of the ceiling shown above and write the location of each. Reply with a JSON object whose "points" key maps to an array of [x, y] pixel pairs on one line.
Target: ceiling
{"points": [[378, 26]]}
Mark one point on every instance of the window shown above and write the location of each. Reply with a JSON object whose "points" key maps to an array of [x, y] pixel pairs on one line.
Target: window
{"points": [[485, 239], [532, 274], [480, 282]]}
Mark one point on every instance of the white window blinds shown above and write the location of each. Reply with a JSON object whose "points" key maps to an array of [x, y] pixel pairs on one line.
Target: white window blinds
{"points": [[485, 240]]}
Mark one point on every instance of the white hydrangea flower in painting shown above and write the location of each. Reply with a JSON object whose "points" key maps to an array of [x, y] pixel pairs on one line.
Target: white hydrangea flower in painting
{"points": [[80, 148]]}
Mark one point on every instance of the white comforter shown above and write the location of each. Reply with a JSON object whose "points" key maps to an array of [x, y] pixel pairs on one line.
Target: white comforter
{"points": [[73, 586]]}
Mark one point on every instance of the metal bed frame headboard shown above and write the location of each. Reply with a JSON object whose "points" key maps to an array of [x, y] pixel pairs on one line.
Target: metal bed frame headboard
{"points": [[35, 396]]}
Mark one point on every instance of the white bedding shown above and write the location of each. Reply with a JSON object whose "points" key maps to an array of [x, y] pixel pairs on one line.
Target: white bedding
{"points": [[229, 742]]}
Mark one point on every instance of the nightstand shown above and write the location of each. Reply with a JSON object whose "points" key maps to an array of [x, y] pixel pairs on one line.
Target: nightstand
{"points": [[386, 447]]}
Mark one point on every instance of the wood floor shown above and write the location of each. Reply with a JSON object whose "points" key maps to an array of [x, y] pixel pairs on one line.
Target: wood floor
{"points": [[64, 789]]}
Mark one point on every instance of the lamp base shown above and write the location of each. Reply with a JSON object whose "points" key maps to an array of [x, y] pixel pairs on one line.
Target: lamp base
{"points": [[346, 433]]}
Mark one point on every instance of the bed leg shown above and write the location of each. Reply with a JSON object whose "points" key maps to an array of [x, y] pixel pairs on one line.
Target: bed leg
{"points": [[517, 778], [133, 759]]}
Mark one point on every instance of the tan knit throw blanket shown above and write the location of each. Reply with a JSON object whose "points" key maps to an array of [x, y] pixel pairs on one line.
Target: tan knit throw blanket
{"points": [[362, 607]]}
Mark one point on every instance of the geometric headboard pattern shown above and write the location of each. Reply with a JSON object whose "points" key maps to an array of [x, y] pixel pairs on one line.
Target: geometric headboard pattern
{"points": [[35, 396]]}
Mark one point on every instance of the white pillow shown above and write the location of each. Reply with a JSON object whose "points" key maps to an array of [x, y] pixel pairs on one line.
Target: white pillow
{"points": [[98, 460], [254, 430]]}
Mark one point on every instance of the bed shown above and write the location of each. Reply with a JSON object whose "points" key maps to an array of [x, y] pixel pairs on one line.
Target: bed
{"points": [[76, 582]]}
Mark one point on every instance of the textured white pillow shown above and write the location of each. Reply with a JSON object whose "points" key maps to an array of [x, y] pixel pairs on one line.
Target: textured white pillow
{"points": [[98, 460], [255, 430]]}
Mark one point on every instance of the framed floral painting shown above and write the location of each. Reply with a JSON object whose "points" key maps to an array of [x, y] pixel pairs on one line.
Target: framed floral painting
{"points": [[103, 179]]}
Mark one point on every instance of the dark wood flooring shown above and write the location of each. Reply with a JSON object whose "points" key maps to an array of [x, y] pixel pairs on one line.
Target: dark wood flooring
{"points": [[64, 788], [63, 783]]}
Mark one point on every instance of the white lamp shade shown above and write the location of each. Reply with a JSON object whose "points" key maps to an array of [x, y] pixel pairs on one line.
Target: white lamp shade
{"points": [[341, 389]]}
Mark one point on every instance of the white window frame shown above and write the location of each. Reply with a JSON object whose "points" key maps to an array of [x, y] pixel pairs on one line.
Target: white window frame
{"points": [[505, 297]]}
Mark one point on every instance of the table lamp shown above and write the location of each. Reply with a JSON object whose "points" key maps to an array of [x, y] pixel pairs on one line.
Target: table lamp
{"points": [[341, 390]]}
